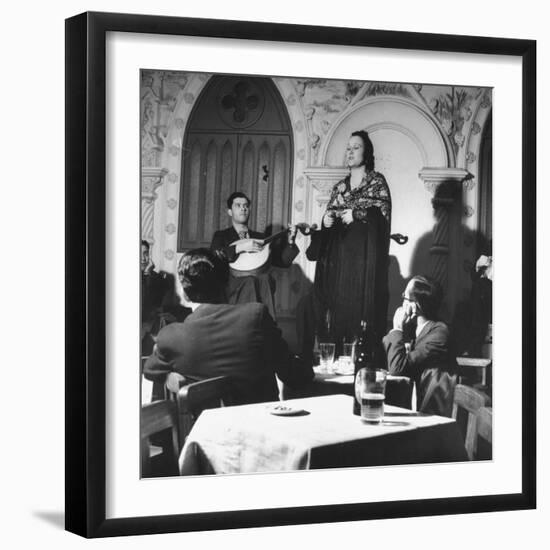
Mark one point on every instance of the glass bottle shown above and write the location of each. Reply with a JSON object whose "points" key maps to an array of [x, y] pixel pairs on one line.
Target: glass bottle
{"points": [[364, 358]]}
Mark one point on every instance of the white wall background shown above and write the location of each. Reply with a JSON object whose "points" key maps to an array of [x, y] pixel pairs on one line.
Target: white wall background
{"points": [[31, 218]]}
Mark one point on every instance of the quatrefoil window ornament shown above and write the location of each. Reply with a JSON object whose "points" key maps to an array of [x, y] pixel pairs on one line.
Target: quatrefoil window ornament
{"points": [[242, 100]]}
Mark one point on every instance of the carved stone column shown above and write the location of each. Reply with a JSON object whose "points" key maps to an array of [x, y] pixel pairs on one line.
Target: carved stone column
{"points": [[151, 179], [322, 180], [319, 184], [445, 184]]}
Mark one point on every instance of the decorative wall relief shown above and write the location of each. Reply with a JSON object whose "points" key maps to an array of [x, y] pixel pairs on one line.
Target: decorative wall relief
{"points": [[241, 104], [323, 100], [386, 88], [174, 150], [469, 184], [151, 180], [150, 143], [453, 107], [468, 211], [160, 91], [486, 101]]}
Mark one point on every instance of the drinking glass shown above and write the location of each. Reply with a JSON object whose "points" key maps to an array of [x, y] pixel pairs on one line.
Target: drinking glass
{"points": [[326, 351], [370, 392], [349, 351]]}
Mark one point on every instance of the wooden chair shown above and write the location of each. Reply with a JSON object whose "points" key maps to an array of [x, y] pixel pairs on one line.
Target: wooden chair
{"points": [[159, 417], [468, 401], [485, 433], [475, 372], [193, 398]]}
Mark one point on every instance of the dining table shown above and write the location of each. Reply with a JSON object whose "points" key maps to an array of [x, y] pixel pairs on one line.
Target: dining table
{"points": [[314, 433]]}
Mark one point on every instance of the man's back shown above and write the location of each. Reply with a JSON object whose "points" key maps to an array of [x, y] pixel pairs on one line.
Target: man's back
{"points": [[239, 340]]}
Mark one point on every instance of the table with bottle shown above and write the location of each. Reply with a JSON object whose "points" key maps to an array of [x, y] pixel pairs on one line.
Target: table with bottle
{"points": [[349, 417], [335, 374]]}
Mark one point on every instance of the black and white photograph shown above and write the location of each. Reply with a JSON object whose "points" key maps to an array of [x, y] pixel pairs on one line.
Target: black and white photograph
{"points": [[316, 273], [274, 274]]}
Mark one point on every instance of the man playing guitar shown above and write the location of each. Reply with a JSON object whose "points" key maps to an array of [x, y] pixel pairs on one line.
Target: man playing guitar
{"points": [[238, 241]]}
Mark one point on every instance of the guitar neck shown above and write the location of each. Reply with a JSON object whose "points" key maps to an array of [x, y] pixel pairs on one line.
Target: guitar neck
{"points": [[275, 236]]}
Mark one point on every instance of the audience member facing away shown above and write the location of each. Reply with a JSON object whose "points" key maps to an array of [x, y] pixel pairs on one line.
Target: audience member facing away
{"points": [[238, 340], [160, 304], [259, 287], [426, 358]]}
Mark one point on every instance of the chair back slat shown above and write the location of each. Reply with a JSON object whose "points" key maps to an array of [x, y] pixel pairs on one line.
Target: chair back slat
{"points": [[485, 428], [485, 423], [470, 401], [156, 418], [192, 399], [206, 394]]}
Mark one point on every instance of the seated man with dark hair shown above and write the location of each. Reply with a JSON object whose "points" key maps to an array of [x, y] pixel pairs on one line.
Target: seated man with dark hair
{"points": [[217, 339], [429, 361], [160, 304], [240, 239]]}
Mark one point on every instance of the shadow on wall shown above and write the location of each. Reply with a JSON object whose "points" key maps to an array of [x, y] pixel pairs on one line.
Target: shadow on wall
{"points": [[396, 285], [470, 315]]}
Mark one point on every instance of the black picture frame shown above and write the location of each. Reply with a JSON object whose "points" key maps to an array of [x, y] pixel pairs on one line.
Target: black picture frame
{"points": [[86, 279]]}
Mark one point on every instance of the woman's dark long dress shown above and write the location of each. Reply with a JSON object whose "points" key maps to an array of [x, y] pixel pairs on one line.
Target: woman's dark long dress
{"points": [[351, 276]]}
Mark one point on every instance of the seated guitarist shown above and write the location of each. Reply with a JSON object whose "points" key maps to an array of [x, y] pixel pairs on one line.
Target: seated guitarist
{"points": [[259, 287]]}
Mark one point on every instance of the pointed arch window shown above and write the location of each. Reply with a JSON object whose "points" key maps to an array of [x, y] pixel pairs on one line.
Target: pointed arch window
{"points": [[238, 137]]}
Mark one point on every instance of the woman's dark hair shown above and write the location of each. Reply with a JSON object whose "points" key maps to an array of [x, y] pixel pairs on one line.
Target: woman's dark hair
{"points": [[236, 195], [368, 149], [145, 244], [428, 294], [203, 274]]}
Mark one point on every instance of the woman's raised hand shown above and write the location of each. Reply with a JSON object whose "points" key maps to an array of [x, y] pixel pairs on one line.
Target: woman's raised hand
{"points": [[328, 219]]}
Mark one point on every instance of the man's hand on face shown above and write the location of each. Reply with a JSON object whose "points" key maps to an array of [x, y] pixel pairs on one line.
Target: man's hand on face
{"points": [[249, 245], [403, 316]]}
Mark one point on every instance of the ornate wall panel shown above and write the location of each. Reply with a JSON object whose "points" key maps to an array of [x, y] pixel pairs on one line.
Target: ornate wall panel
{"points": [[414, 128]]}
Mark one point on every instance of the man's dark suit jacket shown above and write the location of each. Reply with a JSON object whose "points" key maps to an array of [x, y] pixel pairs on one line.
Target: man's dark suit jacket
{"points": [[282, 253], [429, 363], [241, 341]]}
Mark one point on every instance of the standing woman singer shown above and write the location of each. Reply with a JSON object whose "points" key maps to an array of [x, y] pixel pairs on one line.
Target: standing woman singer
{"points": [[351, 249]]}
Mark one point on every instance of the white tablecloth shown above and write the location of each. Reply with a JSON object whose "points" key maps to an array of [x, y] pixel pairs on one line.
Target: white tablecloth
{"points": [[248, 438]]}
